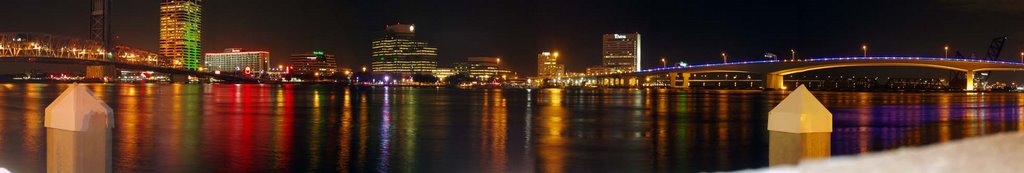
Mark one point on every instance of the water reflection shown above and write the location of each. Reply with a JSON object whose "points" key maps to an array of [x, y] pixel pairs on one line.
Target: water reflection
{"points": [[344, 141], [551, 125], [385, 133], [323, 128]]}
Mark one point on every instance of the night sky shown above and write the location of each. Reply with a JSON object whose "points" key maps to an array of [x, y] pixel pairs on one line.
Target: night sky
{"points": [[692, 31]]}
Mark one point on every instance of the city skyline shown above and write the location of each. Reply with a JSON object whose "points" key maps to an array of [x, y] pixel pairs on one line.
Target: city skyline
{"points": [[511, 86], [670, 33]]}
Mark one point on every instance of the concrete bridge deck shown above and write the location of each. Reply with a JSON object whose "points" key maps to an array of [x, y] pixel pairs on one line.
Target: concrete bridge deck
{"points": [[774, 70]]}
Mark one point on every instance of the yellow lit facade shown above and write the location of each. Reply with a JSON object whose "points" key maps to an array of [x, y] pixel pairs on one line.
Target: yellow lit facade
{"points": [[398, 52], [548, 66], [442, 73], [621, 52], [238, 60], [598, 70], [483, 68], [180, 33]]}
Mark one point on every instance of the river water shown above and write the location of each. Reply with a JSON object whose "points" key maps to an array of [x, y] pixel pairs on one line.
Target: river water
{"points": [[325, 128]]}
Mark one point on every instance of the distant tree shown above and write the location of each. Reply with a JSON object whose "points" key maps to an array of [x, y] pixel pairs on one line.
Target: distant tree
{"points": [[362, 76], [457, 79], [424, 78]]}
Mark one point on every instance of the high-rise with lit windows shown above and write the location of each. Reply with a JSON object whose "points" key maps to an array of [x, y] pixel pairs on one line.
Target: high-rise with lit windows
{"points": [[180, 33], [621, 52], [398, 52], [548, 67]]}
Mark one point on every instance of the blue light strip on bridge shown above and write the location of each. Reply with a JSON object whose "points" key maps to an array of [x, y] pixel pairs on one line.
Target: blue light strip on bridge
{"points": [[833, 59]]}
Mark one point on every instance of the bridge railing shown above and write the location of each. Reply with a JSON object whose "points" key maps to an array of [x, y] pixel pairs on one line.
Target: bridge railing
{"points": [[37, 45]]}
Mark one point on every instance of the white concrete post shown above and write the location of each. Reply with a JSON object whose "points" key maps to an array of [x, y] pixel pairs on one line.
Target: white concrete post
{"points": [[800, 112], [800, 127], [78, 137], [789, 148]]}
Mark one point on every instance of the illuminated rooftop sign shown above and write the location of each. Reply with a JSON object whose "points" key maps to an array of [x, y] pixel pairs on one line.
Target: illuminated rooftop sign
{"points": [[318, 52]]}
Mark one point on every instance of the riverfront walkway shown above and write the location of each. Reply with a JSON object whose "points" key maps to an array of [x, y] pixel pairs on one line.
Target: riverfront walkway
{"points": [[994, 153]]}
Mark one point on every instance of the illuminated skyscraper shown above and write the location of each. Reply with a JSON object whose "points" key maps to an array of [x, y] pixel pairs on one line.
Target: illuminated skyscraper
{"points": [[180, 31], [398, 52], [548, 67], [621, 52], [234, 60]]}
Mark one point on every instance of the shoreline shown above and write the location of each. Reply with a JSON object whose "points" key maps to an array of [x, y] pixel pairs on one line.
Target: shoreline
{"points": [[999, 152]]}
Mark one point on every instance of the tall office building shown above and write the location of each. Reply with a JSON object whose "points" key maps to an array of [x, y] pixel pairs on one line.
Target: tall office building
{"points": [[315, 63], [621, 52], [234, 60], [179, 33], [548, 67], [398, 52]]}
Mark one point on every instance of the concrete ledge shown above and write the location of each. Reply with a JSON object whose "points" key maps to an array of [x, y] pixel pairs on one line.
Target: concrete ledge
{"points": [[993, 153]]}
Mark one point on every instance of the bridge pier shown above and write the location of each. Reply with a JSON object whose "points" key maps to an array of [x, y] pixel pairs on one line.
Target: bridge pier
{"points": [[100, 72], [177, 78], [679, 80], [969, 76], [774, 81]]}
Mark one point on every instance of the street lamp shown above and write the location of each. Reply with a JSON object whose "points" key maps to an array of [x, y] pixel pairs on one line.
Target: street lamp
{"points": [[663, 65], [945, 53], [725, 59], [865, 48], [364, 68], [1022, 56]]}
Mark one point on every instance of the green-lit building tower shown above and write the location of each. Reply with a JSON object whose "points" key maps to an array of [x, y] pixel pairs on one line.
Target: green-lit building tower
{"points": [[180, 33]]}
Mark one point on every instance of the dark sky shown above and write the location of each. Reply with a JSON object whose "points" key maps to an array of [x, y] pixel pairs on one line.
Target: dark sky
{"points": [[693, 31]]}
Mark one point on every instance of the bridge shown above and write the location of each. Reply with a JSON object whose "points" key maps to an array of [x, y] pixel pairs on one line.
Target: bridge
{"points": [[773, 71], [55, 49]]}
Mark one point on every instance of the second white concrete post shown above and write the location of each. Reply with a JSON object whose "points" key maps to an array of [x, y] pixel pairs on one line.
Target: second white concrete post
{"points": [[78, 133]]}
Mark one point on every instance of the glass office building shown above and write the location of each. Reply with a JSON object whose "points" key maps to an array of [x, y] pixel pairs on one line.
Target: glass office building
{"points": [[180, 33], [621, 52], [398, 52], [548, 66]]}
